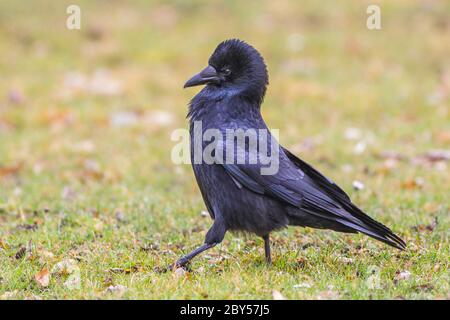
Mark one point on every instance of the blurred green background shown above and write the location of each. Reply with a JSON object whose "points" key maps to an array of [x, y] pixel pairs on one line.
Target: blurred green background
{"points": [[85, 123]]}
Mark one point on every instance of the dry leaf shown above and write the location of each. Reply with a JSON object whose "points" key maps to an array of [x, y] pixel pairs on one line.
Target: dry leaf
{"points": [[8, 171], [43, 277], [437, 155], [277, 295], [179, 273], [68, 194], [117, 290], [65, 267], [413, 184], [69, 267], [74, 281], [329, 294], [345, 260], [21, 252], [403, 275], [429, 227]]}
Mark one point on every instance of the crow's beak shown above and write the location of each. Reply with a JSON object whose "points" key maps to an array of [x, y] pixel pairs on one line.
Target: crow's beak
{"points": [[207, 75]]}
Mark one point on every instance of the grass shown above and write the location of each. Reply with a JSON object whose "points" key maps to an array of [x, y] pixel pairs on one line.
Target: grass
{"points": [[86, 175]]}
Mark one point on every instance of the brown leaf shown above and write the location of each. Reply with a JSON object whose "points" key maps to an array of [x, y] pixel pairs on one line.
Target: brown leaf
{"points": [[43, 277], [413, 184], [429, 227], [30, 227], [9, 171], [21, 252]]}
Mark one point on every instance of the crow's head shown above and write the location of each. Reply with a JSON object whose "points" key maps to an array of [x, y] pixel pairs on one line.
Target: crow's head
{"points": [[235, 66]]}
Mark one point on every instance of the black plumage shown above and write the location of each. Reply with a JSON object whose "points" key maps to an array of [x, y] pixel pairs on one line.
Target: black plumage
{"points": [[237, 196]]}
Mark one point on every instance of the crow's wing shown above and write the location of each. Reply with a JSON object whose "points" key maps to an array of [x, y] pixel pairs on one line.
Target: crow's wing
{"points": [[299, 185]]}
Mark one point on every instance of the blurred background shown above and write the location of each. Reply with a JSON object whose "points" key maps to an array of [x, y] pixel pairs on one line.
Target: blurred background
{"points": [[86, 115]]}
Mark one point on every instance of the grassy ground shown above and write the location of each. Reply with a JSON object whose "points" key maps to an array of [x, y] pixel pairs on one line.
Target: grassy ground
{"points": [[90, 202]]}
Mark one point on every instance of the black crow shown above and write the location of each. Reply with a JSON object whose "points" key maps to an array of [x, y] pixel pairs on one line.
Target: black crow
{"points": [[238, 196]]}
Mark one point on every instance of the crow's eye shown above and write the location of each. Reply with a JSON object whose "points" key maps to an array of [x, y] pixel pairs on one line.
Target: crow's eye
{"points": [[226, 71]]}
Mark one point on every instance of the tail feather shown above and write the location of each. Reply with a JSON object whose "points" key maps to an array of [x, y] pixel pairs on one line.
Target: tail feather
{"points": [[382, 232], [360, 222]]}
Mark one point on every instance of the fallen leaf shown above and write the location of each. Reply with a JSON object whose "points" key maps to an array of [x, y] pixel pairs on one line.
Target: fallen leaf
{"points": [[117, 290], [429, 227], [73, 281], [437, 155], [9, 171], [403, 275], [179, 273], [65, 267], [423, 287], [413, 184], [68, 194], [98, 226], [45, 255], [345, 260], [329, 294], [43, 277], [25, 226], [277, 295], [120, 216], [21, 252]]}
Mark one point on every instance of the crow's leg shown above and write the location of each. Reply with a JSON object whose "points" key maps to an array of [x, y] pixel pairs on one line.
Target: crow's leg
{"points": [[184, 260], [214, 236], [267, 248]]}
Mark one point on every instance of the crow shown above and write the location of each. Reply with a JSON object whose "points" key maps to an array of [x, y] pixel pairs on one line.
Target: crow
{"points": [[238, 196]]}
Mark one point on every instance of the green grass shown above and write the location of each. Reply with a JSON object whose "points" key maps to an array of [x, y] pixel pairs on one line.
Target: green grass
{"points": [[110, 198]]}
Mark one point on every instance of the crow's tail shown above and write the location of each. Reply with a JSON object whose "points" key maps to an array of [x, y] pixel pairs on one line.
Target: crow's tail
{"points": [[361, 222]]}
